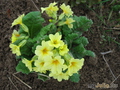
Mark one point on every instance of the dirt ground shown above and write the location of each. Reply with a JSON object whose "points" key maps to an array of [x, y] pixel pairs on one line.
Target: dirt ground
{"points": [[94, 71]]}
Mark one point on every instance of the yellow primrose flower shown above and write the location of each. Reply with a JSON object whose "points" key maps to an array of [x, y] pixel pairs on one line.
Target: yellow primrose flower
{"points": [[59, 76], [69, 22], [55, 64], [75, 65], [43, 50], [15, 49], [66, 11], [63, 50], [28, 63], [18, 20], [51, 10], [55, 40], [15, 35], [40, 65]]}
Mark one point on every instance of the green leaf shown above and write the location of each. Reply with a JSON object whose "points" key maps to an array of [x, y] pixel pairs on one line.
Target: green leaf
{"points": [[22, 68], [34, 47], [18, 57], [82, 23], [66, 30], [82, 40], [33, 21], [21, 31], [78, 51], [75, 78], [17, 41], [43, 77], [71, 37], [26, 50], [24, 27], [43, 32], [45, 29], [90, 53]]}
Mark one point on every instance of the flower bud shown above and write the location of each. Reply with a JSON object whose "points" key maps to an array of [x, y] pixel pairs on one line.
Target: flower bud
{"points": [[22, 43], [67, 57]]}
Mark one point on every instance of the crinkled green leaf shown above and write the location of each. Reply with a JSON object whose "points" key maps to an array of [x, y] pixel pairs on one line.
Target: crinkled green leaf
{"points": [[82, 23], [78, 51], [75, 77], [82, 40], [34, 47], [17, 42], [71, 37], [66, 30], [43, 32], [18, 57], [45, 29], [21, 31], [26, 50], [33, 21], [90, 53], [22, 68]]}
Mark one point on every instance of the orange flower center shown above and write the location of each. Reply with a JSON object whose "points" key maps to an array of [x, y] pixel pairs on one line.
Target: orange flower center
{"points": [[55, 42], [73, 64], [42, 63], [17, 35], [45, 51], [55, 62]]}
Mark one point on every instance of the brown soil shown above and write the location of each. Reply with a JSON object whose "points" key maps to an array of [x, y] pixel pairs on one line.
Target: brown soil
{"points": [[94, 71]]}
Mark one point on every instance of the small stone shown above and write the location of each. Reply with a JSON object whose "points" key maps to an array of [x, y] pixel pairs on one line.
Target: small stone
{"points": [[93, 60]]}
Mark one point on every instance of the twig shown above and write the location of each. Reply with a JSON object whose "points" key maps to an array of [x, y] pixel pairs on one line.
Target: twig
{"points": [[22, 81], [112, 28], [35, 5], [43, 75], [114, 79], [108, 66], [103, 53], [12, 83], [16, 73]]}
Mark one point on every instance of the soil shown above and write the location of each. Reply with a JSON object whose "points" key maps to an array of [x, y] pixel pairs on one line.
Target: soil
{"points": [[94, 71]]}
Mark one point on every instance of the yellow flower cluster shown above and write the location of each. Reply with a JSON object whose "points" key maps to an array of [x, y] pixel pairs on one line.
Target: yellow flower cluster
{"points": [[16, 48], [52, 9], [16, 35], [50, 57]]}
